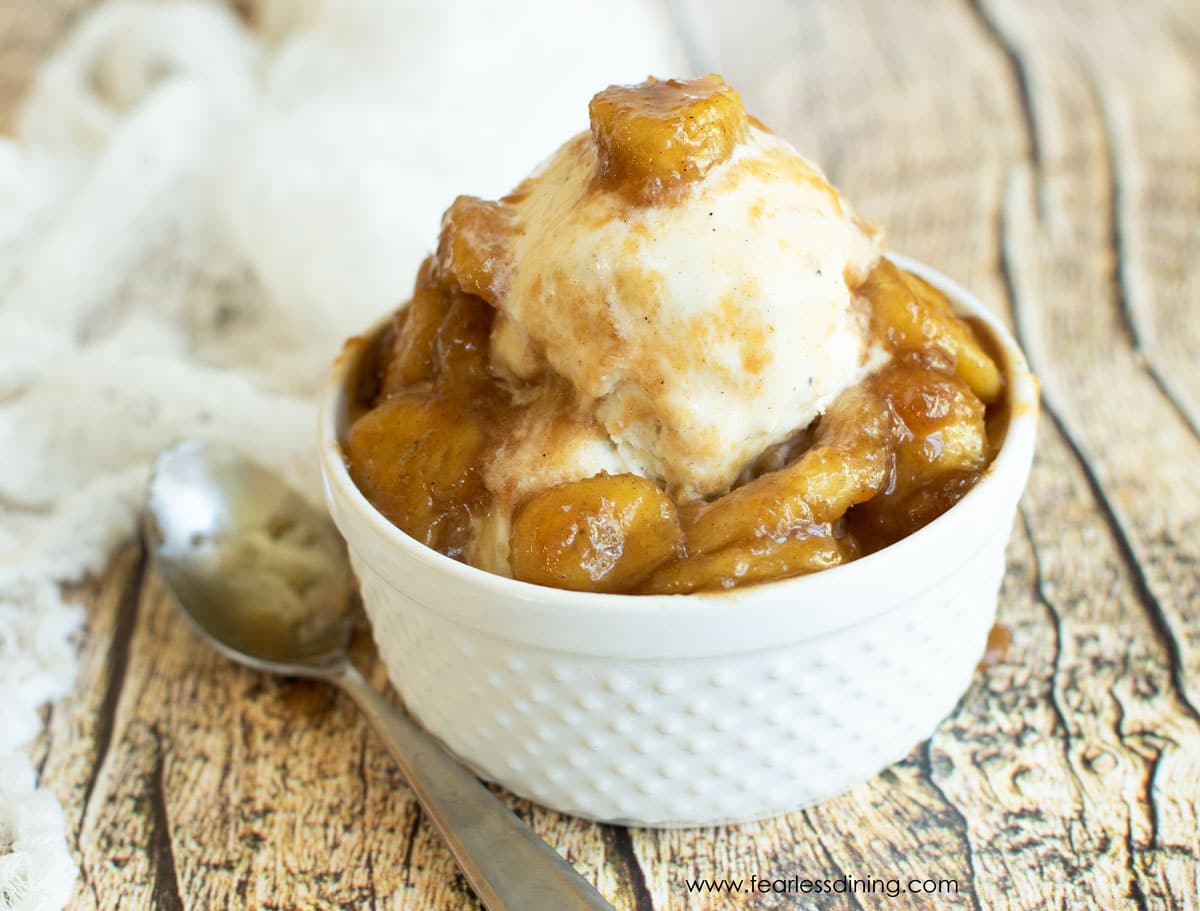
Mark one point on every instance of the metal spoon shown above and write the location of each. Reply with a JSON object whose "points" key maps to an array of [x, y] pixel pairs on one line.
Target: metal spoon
{"points": [[264, 577]]}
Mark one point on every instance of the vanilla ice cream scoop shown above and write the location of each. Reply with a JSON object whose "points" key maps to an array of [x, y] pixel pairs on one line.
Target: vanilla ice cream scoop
{"points": [[685, 270]]}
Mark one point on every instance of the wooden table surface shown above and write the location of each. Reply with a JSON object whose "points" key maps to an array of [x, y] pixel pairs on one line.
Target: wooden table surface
{"points": [[1047, 154]]}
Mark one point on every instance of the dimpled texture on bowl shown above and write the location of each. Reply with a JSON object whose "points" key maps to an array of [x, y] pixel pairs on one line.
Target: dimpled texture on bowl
{"points": [[694, 709], [688, 742]]}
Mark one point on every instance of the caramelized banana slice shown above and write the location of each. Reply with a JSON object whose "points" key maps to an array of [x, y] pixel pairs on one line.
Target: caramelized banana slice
{"points": [[847, 465], [746, 564], [943, 419], [413, 358], [885, 520], [924, 290], [461, 342], [602, 534], [659, 136], [414, 457], [915, 315], [472, 251], [440, 336], [942, 446]]}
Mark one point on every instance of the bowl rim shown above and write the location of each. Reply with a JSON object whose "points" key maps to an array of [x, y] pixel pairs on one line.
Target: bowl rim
{"points": [[799, 593]]}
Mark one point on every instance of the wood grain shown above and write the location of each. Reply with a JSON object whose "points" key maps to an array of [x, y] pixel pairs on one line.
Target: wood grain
{"points": [[1046, 153]]}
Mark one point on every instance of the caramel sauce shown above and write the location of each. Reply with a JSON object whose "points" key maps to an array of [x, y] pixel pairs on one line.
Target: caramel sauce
{"points": [[999, 641]]}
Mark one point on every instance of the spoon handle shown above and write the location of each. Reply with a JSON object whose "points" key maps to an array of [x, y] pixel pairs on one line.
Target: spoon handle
{"points": [[507, 864]]}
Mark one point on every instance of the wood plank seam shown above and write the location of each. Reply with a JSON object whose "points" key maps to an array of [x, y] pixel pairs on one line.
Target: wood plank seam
{"points": [[1019, 73], [117, 666], [834, 867], [1122, 284], [1041, 597], [961, 824], [370, 859], [1121, 535], [622, 845], [166, 891]]}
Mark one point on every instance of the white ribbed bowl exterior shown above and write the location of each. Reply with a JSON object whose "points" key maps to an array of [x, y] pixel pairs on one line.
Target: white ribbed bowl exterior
{"points": [[691, 709]]}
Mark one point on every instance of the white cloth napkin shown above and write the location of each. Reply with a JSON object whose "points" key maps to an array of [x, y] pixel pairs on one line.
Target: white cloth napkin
{"points": [[192, 218]]}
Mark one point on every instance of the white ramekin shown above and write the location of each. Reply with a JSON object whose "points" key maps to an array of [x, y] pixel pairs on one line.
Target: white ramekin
{"points": [[691, 709]]}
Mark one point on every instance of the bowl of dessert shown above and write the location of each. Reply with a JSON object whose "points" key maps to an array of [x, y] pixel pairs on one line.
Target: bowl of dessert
{"points": [[674, 500]]}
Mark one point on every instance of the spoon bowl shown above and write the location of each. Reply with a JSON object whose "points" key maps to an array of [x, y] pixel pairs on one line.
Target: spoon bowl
{"points": [[251, 563]]}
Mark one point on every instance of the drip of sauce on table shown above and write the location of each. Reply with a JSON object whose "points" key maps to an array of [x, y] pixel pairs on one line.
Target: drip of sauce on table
{"points": [[999, 641]]}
